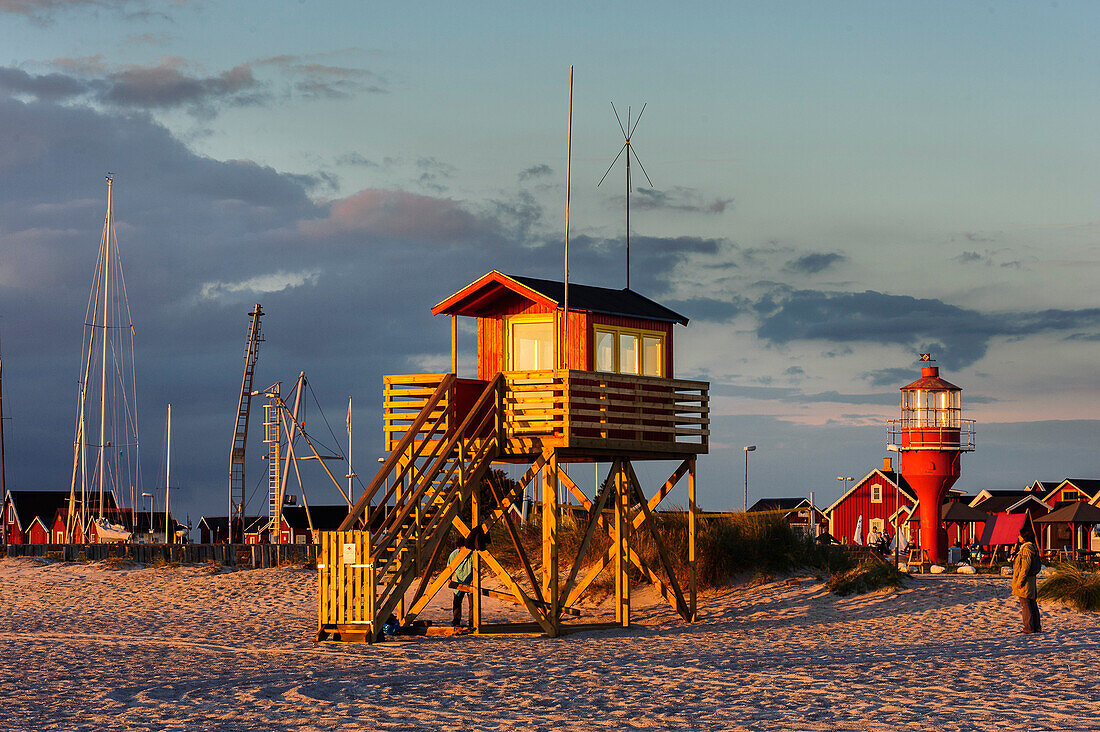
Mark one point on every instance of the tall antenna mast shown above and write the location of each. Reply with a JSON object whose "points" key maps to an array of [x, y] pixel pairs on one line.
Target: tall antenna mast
{"points": [[628, 132], [568, 190]]}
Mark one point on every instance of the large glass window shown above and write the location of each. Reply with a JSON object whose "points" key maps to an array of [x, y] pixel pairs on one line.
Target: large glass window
{"points": [[628, 351], [653, 355], [605, 351], [532, 346]]}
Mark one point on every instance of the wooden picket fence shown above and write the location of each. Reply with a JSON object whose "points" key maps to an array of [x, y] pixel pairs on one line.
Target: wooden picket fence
{"points": [[244, 556]]}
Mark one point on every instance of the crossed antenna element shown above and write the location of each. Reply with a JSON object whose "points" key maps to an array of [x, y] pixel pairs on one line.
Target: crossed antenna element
{"points": [[626, 146]]}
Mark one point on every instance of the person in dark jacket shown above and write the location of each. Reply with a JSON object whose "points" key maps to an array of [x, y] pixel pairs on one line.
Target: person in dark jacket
{"points": [[1023, 579]]}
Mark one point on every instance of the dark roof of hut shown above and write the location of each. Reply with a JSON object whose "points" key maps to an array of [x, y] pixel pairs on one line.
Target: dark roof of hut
{"points": [[478, 298]]}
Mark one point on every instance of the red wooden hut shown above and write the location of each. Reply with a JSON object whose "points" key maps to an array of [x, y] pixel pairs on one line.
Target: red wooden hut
{"points": [[796, 511], [28, 516], [877, 497]]}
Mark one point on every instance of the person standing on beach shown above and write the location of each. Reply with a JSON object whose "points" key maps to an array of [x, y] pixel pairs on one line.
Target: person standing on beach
{"points": [[463, 575], [1024, 569]]}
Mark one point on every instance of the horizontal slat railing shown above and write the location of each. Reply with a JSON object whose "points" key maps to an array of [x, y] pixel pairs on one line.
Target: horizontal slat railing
{"points": [[579, 406], [404, 398]]}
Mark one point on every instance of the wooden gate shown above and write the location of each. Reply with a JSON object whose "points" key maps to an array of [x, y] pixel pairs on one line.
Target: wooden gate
{"points": [[346, 595]]}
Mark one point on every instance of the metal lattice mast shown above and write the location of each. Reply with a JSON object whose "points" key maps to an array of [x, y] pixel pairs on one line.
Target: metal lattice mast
{"points": [[273, 423], [237, 498]]}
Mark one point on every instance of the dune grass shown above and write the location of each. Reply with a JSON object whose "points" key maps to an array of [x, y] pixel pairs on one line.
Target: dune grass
{"points": [[729, 548], [1074, 586], [865, 577]]}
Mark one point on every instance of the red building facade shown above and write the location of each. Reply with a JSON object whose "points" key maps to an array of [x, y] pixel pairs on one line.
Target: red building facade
{"points": [[877, 497]]}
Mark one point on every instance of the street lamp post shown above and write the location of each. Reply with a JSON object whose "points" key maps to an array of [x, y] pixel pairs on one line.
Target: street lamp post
{"points": [[150, 497], [748, 449], [897, 501], [841, 477]]}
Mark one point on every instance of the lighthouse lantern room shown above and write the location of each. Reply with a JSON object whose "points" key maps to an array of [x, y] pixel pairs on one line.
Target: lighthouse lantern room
{"points": [[931, 435]]}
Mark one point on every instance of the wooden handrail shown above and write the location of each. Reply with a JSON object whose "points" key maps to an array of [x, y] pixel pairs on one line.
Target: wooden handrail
{"points": [[395, 454], [426, 478]]}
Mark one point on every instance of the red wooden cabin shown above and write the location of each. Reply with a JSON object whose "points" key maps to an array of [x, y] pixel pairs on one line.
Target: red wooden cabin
{"points": [[599, 376], [28, 516], [877, 497]]}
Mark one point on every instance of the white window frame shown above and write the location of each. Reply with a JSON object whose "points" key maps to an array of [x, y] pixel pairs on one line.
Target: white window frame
{"points": [[876, 489]]}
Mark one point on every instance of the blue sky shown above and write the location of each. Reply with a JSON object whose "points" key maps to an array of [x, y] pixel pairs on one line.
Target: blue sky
{"points": [[837, 186]]}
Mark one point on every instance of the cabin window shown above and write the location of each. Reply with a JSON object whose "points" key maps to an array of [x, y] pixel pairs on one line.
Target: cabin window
{"points": [[652, 355], [1070, 496], [532, 345], [605, 350], [629, 351], [876, 493], [878, 524]]}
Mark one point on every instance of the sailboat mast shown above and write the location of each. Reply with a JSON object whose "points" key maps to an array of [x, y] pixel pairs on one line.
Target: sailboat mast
{"points": [[167, 473], [3, 487], [103, 364]]}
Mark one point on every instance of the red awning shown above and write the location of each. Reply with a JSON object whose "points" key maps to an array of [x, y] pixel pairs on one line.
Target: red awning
{"points": [[1003, 529]]}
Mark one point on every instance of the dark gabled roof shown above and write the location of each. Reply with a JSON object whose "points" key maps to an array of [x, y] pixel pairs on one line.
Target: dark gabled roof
{"points": [[1001, 503], [479, 296], [958, 512], [1077, 512], [42, 505], [778, 504], [220, 523], [325, 518], [1090, 486], [214, 523], [603, 300]]}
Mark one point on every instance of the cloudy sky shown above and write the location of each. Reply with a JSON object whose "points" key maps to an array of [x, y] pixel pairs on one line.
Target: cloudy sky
{"points": [[836, 188]]}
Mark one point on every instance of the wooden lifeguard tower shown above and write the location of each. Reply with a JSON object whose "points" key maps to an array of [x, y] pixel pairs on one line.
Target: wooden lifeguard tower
{"points": [[591, 384]]}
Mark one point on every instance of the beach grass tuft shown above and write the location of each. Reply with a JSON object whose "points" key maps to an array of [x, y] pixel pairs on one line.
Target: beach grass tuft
{"points": [[1074, 586], [865, 577]]}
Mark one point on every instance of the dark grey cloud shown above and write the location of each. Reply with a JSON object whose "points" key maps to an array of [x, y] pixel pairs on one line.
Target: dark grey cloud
{"points": [[174, 83], [43, 10], [355, 159], [958, 336], [889, 376], [166, 85], [314, 80], [706, 309], [49, 87], [970, 258], [541, 170], [814, 262], [678, 198], [433, 173], [793, 395]]}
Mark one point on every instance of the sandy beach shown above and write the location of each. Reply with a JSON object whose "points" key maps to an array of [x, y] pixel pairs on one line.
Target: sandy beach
{"points": [[87, 647]]}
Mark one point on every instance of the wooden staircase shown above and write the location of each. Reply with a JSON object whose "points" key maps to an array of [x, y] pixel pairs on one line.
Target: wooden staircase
{"points": [[399, 524]]}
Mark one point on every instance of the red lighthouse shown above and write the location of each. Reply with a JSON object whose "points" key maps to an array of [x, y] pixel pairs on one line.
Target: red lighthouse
{"points": [[932, 435]]}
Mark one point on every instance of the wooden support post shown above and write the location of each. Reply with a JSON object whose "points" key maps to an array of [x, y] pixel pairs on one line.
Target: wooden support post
{"points": [[622, 540], [475, 520], [692, 510], [550, 588], [454, 345]]}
